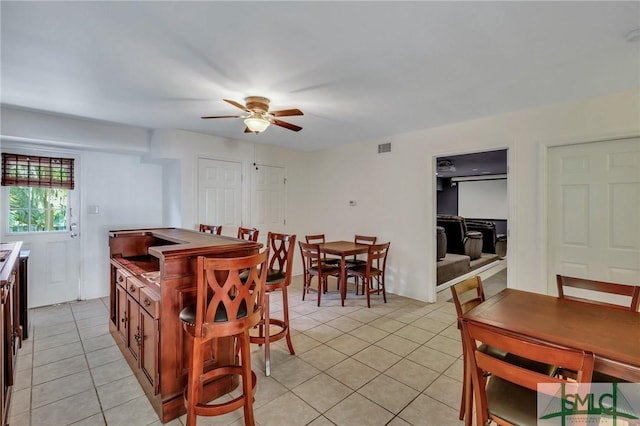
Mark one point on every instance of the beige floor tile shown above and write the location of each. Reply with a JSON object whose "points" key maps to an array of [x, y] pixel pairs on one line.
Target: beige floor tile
{"points": [[61, 388], [347, 344], [293, 372], [456, 371], [444, 344], [377, 358], [323, 357], [41, 344], [411, 374], [323, 333], [67, 410], [322, 392], [344, 324], [369, 334], [432, 359], [352, 373], [55, 370], [288, 410], [388, 393], [119, 391], [446, 390], [397, 345], [415, 334], [386, 324], [303, 323], [358, 410], [20, 402], [135, 412], [427, 411], [110, 372], [57, 353], [327, 382], [104, 356], [95, 420], [48, 331]]}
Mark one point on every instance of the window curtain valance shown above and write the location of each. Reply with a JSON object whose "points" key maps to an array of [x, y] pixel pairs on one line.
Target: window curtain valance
{"points": [[34, 171]]}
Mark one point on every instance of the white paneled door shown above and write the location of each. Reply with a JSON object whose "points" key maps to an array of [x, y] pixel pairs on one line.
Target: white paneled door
{"points": [[594, 211], [268, 199], [220, 194]]}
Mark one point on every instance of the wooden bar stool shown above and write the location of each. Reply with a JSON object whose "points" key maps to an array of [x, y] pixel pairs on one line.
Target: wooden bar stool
{"points": [[226, 305], [281, 247]]}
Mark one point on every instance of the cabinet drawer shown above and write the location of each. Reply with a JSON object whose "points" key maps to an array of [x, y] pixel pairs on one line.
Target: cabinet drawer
{"points": [[150, 301], [121, 277], [133, 287]]}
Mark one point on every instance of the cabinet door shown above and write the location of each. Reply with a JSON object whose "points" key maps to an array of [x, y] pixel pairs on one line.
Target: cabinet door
{"points": [[149, 349], [121, 314], [133, 313]]}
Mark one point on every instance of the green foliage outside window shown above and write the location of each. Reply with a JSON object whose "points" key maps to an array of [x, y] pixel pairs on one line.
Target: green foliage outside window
{"points": [[37, 209]]}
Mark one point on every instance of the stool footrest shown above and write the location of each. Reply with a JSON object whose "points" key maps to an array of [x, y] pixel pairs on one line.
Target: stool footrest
{"points": [[224, 407]]}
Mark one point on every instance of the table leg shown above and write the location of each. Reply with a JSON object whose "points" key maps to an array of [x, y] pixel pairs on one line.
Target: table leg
{"points": [[343, 279]]}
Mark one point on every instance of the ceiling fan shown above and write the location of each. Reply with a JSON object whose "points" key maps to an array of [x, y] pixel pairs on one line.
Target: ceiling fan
{"points": [[259, 117]]}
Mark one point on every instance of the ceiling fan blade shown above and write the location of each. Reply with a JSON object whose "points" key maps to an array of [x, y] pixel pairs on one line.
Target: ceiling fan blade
{"points": [[223, 116], [286, 125], [286, 112], [237, 105]]}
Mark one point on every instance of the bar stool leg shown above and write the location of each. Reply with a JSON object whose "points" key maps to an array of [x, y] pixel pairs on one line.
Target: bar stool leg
{"points": [[247, 385], [285, 306], [267, 332]]}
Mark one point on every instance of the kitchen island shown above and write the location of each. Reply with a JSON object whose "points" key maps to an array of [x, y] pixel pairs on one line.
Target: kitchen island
{"points": [[153, 277]]}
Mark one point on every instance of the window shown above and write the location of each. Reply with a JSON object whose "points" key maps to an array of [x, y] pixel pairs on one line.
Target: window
{"points": [[38, 197]]}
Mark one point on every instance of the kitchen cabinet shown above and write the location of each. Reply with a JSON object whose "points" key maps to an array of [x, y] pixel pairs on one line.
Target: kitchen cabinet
{"points": [[153, 278]]}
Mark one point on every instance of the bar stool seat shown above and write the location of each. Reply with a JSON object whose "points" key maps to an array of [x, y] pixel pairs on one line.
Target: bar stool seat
{"points": [[226, 306]]}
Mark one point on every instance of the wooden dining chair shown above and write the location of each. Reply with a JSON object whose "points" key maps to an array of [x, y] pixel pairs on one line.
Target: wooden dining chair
{"points": [[506, 393], [249, 234], [356, 260], [319, 239], [466, 295], [312, 266], [631, 291], [210, 229], [373, 270]]}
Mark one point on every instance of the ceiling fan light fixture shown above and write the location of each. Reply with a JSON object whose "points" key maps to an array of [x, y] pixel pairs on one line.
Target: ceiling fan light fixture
{"points": [[256, 123]]}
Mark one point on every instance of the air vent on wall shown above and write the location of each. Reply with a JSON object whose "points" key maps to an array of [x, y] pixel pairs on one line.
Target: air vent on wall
{"points": [[384, 147]]}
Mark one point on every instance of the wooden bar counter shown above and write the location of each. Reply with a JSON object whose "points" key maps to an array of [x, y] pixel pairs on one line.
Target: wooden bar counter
{"points": [[153, 277]]}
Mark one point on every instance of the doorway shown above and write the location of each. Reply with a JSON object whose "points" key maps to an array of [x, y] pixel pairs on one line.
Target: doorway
{"points": [[50, 229], [472, 196]]}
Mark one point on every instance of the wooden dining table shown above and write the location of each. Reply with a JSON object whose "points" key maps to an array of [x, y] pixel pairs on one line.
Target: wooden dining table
{"points": [[343, 249], [611, 334]]}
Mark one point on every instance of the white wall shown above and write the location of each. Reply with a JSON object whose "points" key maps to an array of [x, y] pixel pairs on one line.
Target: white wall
{"points": [[396, 193], [129, 195]]}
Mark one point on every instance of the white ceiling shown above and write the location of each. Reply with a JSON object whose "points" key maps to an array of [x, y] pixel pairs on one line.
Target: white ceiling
{"points": [[358, 70]]}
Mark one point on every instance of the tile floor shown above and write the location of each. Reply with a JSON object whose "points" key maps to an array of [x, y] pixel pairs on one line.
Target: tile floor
{"points": [[395, 364]]}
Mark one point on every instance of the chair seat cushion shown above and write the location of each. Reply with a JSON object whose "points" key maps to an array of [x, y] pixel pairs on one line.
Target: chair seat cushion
{"points": [[275, 276], [188, 314], [353, 263], [329, 270], [513, 403], [362, 270]]}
